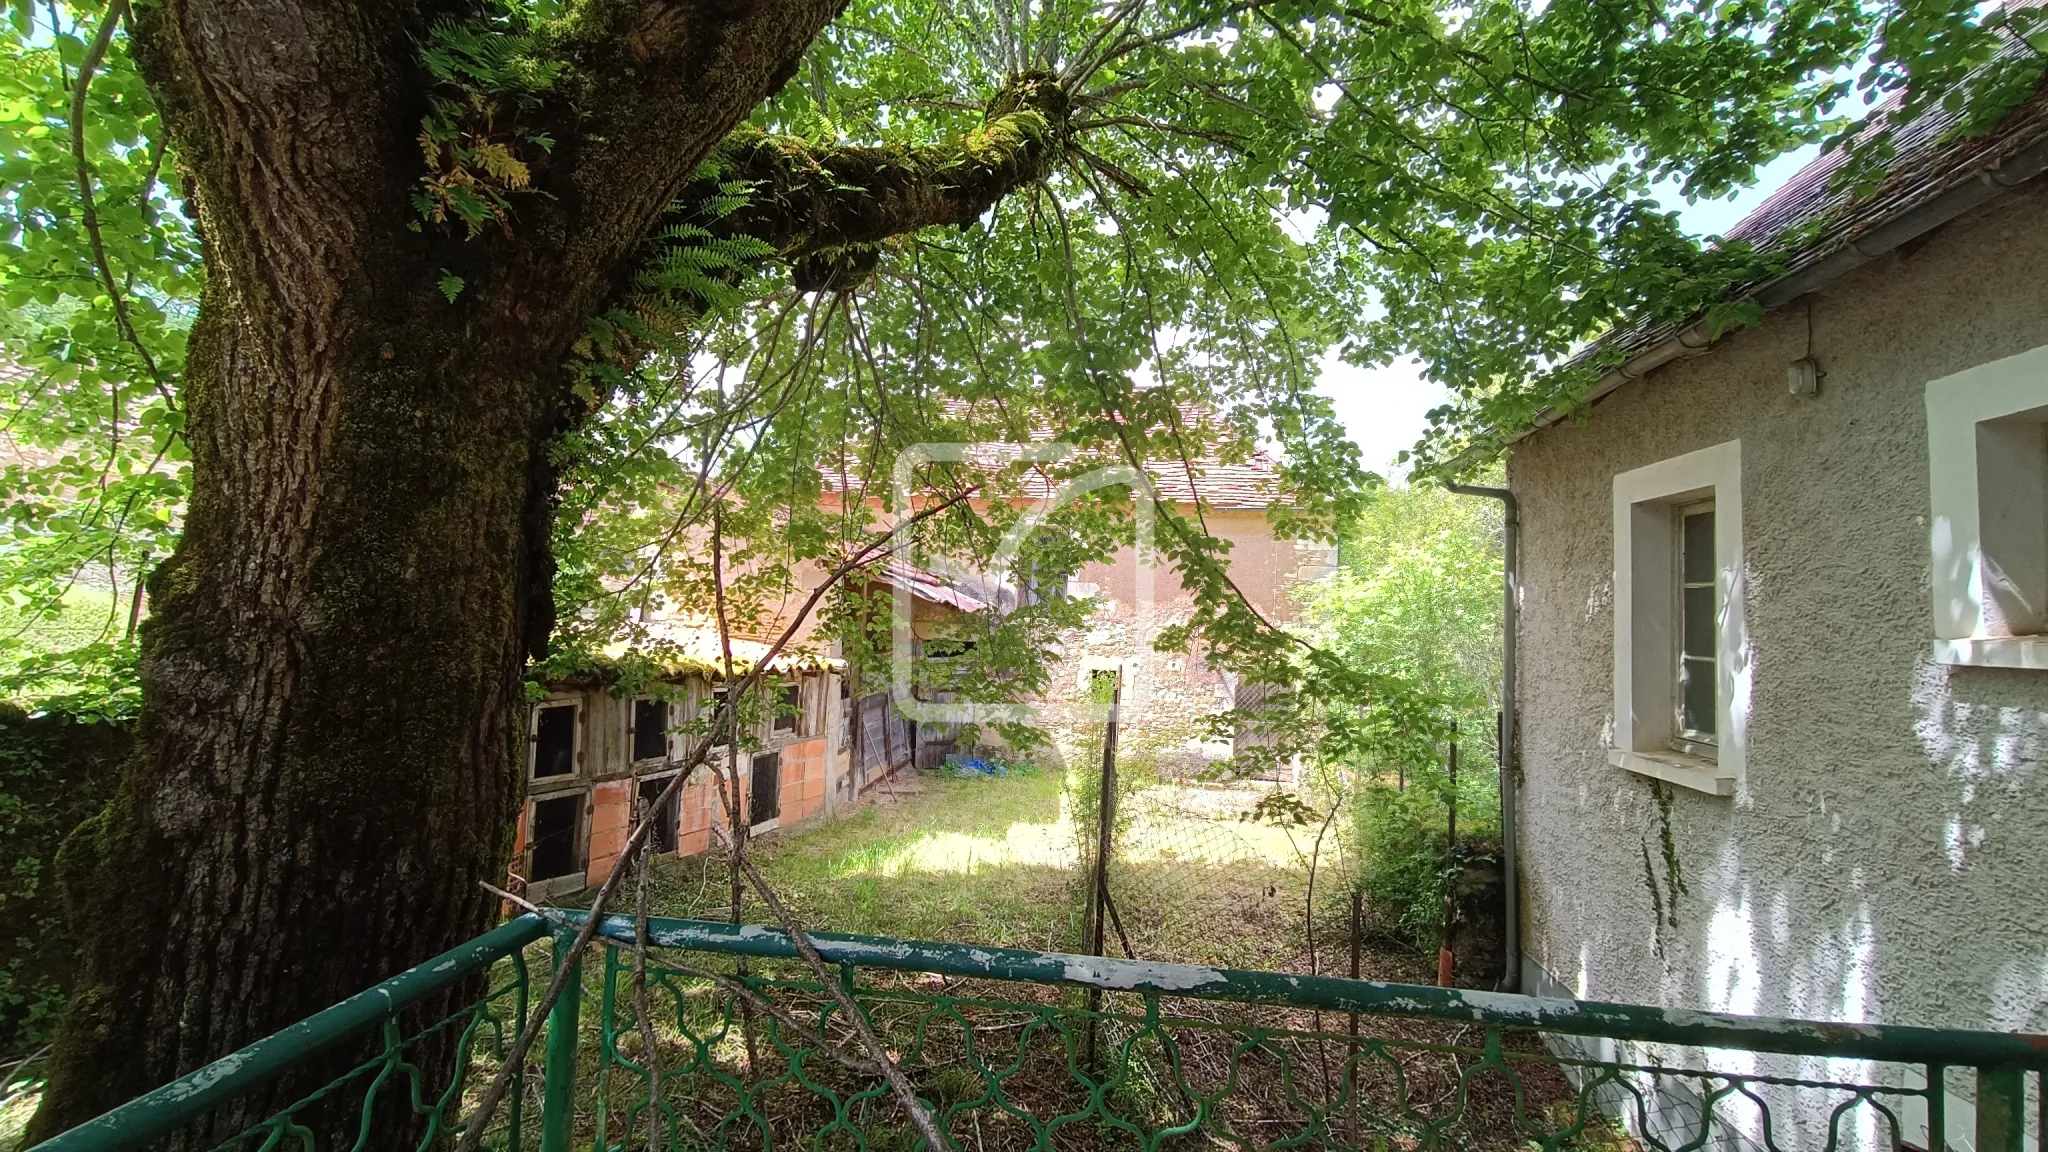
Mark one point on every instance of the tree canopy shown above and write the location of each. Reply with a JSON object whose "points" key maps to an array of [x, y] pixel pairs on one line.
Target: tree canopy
{"points": [[969, 222], [482, 321]]}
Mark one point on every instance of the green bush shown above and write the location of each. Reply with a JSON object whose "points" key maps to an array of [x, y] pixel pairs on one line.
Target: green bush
{"points": [[1398, 850], [55, 771]]}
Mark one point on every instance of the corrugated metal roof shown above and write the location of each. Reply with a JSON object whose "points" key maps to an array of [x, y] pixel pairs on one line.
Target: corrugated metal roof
{"points": [[968, 593]]}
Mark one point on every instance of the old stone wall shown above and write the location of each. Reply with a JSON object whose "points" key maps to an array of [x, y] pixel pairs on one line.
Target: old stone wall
{"points": [[1168, 694]]}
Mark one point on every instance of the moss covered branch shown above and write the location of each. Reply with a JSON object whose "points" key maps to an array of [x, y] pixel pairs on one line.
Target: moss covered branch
{"points": [[825, 207]]}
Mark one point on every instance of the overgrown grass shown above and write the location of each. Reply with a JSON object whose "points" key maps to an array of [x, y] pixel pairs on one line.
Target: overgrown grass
{"points": [[999, 860], [988, 860]]}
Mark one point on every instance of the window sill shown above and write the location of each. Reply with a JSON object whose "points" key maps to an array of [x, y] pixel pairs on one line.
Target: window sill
{"points": [[542, 891], [1695, 772], [2028, 652]]}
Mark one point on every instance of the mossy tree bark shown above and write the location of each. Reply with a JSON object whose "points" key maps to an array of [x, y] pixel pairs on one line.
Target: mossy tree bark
{"points": [[332, 668]]}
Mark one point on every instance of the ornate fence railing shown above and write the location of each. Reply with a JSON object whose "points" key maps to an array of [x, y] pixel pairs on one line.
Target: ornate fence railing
{"points": [[753, 1051]]}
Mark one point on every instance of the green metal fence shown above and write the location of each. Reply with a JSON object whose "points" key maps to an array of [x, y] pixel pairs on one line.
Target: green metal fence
{"points": [[1006, 1054]]}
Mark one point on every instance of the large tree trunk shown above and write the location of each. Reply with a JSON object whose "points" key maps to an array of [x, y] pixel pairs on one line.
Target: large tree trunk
{"points": [[331, 671], [333, 664], [335, 651]]}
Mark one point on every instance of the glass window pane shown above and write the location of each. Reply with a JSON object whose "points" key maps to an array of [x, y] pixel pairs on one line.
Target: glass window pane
{"points": [[1698, 696], [1699, 547], [1699, 622]]}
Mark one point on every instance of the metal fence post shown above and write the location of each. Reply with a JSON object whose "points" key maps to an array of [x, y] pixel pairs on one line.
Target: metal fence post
{"points": [[2001, 1109], [558, 1089]]}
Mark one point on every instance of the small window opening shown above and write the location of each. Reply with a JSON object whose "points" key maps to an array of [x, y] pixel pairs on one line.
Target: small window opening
{"points": [[662, 837], [788, 707], [764, 800], [554, 836], [554, 741], [1698, 631], [650, 729]]}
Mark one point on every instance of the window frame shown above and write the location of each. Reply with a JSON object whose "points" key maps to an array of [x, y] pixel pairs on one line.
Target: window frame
{"points": [[1691, 741], [575, 772], [1648, 629], [675, 830], [579, 843], [1972, 555], [772, 822], [633, 725], [790, 723]]}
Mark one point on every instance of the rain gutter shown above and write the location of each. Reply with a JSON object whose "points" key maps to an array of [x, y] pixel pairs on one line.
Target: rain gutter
{"points": [[1511, 885]]}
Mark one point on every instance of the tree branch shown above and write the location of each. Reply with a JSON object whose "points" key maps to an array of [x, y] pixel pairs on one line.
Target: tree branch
{"points": [[825, 208], [89, 209]]}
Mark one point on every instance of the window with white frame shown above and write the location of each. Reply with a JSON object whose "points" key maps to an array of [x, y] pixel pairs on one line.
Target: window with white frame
{"points": [[1680, 646], [1987, 458]]}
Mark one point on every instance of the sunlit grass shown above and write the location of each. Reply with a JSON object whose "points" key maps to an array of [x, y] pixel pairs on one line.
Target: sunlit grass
{"points": [[15, 1111], [995, 861], [87, 614], [985, 860]]}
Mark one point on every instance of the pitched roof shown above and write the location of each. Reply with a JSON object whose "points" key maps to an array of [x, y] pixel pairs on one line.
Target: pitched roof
{"points": [[968, 593], [1825, 230], [692, 647]]}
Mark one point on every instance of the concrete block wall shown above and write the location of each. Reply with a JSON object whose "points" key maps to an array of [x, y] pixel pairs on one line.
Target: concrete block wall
{"points": [[611, 814]]}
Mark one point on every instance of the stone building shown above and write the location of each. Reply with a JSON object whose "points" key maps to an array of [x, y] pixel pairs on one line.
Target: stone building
{"points": [[1167, 695]]}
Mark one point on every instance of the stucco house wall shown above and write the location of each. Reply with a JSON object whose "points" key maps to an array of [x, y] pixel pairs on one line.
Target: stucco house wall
{"points": [[1885, 855]]}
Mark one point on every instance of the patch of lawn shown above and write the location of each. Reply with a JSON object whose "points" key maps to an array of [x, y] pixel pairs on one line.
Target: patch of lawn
{"points": [[986, 860]]}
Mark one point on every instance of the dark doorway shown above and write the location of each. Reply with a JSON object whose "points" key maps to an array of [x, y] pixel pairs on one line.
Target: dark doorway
{"points": [[554, 741], [554, 836], [662, 837], [650, 729], [764, 800]]}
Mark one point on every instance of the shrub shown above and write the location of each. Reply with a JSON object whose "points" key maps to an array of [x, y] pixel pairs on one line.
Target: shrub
{"points": [[1398, 850], [55, 771]]}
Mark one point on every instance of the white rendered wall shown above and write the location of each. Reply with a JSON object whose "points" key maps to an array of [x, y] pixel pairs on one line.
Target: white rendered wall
{"points": [[1885, 854]]}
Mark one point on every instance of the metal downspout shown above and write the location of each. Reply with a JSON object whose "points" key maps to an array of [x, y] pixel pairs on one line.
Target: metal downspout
{"points": [[1511, 881]]}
